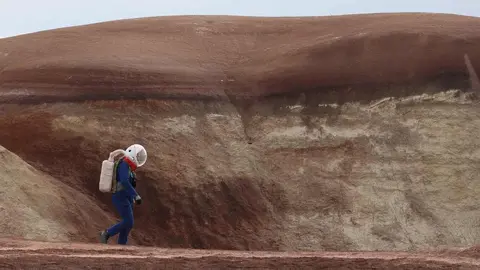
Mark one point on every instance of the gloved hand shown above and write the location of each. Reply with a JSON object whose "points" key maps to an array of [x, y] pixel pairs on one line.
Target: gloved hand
{"points": [[138, 199]]}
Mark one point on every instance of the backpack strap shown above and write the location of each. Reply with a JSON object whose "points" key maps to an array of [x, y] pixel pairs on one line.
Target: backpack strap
{"points": [[133, 178], [114, 180], [115, 185]]}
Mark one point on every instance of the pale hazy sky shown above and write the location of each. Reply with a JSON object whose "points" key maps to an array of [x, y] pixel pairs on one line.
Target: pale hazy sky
{"points": [[25, 16]]}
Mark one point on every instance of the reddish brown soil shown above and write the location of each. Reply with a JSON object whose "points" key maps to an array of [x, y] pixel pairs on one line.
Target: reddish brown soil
{"points": [[34, 255], [335, 57]]}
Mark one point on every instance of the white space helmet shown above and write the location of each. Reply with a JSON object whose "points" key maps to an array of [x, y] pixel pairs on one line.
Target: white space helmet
{"points": [[137, 154]]}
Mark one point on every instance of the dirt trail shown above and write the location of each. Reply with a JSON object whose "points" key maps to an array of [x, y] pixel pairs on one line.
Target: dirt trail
{"points": [[29, 255]]}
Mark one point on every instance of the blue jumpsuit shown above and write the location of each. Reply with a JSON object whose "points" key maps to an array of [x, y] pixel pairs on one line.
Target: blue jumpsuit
{"points": [[123, 200]]}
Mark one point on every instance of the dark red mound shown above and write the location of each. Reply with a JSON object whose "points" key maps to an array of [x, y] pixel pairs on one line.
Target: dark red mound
{"points": [[222, 56]]}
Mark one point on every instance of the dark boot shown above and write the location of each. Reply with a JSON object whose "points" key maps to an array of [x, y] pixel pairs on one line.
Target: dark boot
{"points": [[104, 237]]}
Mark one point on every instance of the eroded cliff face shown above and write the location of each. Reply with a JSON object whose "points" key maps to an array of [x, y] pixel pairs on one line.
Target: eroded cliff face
{"points": [[390, 174]]}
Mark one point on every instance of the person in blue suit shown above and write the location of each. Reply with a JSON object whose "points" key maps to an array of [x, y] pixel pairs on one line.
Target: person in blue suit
{"points": [[124, 193]]}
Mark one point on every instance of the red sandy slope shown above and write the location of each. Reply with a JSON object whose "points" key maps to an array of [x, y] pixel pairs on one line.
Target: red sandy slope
{"points": [[211, 56]]}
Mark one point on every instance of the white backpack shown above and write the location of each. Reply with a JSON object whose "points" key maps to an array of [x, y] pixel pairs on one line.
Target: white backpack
{"points": [[107, 173]]}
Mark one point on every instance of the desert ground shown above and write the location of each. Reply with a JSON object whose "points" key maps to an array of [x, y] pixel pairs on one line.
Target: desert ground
{"points": [[20, 254], [340, 142]]}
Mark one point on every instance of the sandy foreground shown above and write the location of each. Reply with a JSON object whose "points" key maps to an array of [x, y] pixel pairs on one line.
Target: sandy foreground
{"points": [[19, 254]]}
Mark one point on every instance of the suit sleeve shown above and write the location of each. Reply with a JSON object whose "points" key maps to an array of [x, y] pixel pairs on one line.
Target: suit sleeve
{"points": [[123, 175]]}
